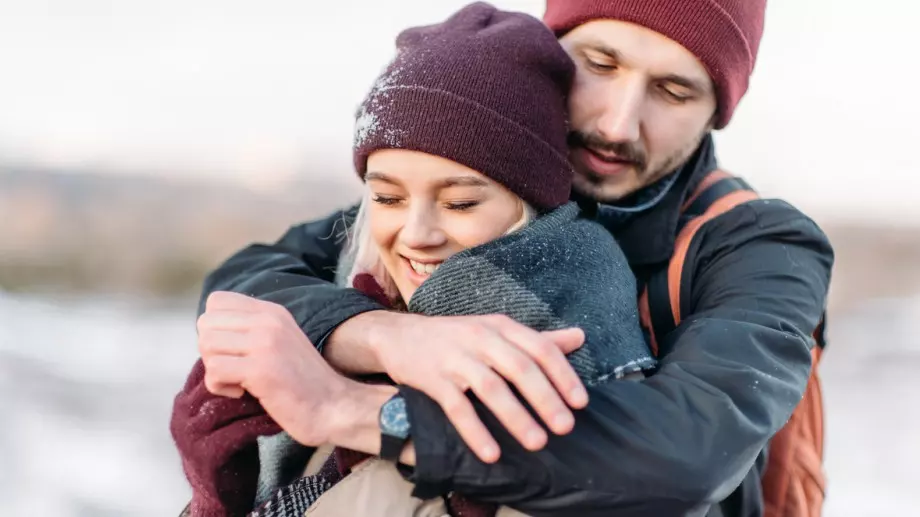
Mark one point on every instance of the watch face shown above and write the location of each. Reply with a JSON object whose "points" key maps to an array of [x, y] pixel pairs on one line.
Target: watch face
{"points": [[394, 420]]}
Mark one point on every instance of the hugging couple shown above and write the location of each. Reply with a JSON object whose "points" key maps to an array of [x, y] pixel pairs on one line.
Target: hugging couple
{"points": [[468, 339]]}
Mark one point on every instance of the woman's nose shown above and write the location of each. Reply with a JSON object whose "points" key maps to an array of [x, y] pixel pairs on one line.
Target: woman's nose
{"points": [[422, 230]]}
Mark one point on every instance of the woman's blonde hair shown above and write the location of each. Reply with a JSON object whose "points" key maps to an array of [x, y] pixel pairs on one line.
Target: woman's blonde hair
{"points": [[361, 254]]}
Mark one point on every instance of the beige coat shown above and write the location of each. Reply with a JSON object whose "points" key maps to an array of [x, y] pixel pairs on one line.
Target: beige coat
{"points": [[375, 488]]}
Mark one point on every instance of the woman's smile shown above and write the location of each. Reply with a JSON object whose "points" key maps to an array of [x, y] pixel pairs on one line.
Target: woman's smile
{"points": [[424, 208], [419, 270]]}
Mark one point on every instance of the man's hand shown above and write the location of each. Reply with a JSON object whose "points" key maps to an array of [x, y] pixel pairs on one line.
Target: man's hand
{"points": [[256, 346], [446, 356]]}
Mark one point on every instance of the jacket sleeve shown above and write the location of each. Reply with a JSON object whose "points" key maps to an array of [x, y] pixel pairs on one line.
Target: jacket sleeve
{"points": [[682, 439], [298, 272]]}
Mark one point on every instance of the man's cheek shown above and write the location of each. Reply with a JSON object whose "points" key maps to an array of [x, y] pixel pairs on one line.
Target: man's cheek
{"points": [[586, 101]]}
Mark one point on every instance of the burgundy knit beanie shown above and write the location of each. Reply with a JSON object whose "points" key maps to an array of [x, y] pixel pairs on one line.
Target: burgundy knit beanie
{"points": [[723, 34], [487, 89]]}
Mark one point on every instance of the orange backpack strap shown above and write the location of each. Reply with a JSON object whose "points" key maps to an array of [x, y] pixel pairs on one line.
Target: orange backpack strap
{"points": [[660, 303], [793, 482]]}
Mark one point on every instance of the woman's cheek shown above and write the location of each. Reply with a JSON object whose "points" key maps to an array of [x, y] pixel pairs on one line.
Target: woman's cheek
{"points": [[385, 226], [479, 228]]}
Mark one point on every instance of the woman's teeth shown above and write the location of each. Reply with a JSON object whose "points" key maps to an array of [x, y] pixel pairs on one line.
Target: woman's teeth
{"points": [[424, 269]]}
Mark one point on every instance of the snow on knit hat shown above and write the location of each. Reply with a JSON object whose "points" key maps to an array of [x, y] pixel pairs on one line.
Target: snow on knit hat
{"points": [[723, 34], [487, 89]]}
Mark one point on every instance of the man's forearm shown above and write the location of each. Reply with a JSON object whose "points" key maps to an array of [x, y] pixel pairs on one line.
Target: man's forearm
{"points": [[355, 347], [350, 348], [355, 424]]}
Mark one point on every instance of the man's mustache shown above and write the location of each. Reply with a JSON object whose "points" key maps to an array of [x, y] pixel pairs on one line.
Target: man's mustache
{"points": [[624, 150]]}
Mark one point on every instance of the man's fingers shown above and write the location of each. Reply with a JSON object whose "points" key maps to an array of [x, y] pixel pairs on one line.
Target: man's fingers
{"points": [[460, 412], [226, 390], [222, 371], [222, 342], [225, 320], [514, 364], [550, 359], [495, 393], [568, 340], [228, 301]]}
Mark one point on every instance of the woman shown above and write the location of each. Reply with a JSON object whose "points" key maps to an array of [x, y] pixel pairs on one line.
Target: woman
{"points": [[462, 146]]}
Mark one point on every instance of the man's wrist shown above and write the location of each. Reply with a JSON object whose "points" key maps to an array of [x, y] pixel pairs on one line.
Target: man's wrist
{"points": [[376, 326], [377, 331], [350, 347], [353, 418]]}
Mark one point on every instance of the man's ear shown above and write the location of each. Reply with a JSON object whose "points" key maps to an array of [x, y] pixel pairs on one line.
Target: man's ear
{"points": [[712, 120]]}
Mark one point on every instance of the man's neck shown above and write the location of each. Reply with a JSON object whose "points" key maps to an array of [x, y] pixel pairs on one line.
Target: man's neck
{"points": [[614, 215], [647, 234]]}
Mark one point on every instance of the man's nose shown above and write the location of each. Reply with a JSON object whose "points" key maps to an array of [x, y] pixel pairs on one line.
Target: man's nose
{"points": [[621, 118]]}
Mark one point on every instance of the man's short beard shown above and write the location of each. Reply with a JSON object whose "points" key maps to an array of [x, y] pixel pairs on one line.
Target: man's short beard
{"points": [[625, 151], [589, 183]]}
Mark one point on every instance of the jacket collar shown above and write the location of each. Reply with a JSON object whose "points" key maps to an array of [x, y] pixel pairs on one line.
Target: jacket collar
{"points": [[647, 236]]}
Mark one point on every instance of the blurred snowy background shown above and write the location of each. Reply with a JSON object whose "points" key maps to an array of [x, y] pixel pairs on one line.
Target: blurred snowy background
{"points": [[143, 141]]}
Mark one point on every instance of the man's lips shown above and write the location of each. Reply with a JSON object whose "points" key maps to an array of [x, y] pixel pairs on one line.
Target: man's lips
{"points": [[604, 163]]}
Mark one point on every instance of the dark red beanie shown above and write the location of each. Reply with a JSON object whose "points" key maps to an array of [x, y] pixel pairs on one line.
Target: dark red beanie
{"points": [[723, 34], [487, 89]]}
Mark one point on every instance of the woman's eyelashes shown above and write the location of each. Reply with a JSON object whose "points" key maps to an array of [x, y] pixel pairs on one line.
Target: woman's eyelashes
{"points": [[457, 206], [385, 200], [461, 205]]}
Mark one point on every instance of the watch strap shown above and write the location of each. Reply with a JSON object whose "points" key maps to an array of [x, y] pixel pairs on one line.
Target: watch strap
{"points": [[391, 447]]}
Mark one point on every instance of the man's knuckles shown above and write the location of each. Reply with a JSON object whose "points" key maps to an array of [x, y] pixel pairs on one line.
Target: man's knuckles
{"points": [[226, 300], [519, 366], [476, 331], [270, 322], [491, 320]]}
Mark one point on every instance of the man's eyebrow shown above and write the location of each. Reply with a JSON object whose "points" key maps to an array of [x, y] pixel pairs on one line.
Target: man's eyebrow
{"points": [[603, 48], [691, 84]]}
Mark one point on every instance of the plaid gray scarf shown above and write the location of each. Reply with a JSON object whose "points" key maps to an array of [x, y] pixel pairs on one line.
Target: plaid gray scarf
{"points": [[560, 271]]}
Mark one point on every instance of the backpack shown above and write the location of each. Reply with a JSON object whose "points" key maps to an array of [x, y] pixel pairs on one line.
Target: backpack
{"points": [[793, 481]]}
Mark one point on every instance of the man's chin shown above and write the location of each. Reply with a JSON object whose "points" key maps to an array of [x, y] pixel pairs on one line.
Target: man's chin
{"points": [[604, 189]]}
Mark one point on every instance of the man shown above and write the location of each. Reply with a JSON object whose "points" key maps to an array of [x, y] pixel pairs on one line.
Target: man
{"points": [[653, 79]]}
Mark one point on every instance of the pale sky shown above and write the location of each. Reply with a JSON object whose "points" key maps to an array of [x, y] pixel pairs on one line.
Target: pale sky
{"points": [[262, 90]]}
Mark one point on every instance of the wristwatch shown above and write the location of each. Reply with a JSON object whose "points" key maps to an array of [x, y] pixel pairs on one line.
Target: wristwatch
{"points": [[394, 428]]}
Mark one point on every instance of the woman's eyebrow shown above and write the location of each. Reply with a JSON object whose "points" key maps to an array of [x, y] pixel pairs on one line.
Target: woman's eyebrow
{"points": [[379, 176], [463, 181]]}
